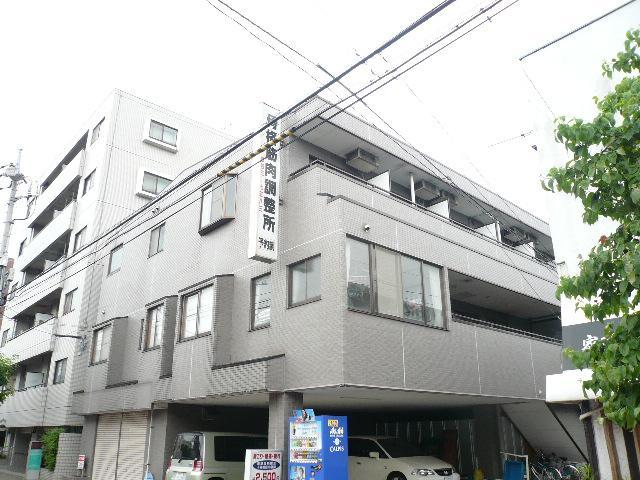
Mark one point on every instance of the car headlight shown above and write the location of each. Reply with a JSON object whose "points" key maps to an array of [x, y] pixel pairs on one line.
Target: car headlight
{"points": [[423, 472]]}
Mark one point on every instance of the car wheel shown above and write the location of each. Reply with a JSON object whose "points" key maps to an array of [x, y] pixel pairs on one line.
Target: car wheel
{"points": [[396, 476]]}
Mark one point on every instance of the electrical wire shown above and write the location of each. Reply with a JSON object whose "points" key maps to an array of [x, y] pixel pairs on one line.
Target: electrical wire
{"points": [[163, 197], [234, 146]]}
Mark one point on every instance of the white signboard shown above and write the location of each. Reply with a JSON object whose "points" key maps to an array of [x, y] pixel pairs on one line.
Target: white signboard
{"points": [[263, 208], [263, 465]]}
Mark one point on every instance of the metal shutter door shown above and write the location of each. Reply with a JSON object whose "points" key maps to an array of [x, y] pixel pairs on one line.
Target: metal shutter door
{"points": [[133, 441], [104, 457]]}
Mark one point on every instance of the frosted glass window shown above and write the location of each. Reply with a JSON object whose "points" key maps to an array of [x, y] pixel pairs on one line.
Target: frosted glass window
{"points": [[304, 281]]}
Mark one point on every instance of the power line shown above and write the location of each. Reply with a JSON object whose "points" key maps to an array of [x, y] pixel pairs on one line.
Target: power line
{"points": [[234, 146], [575, 30], [197, 199]]}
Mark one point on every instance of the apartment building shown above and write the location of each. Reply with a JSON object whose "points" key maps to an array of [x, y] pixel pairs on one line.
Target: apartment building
{"points": [[351, 274], [119, 161]]}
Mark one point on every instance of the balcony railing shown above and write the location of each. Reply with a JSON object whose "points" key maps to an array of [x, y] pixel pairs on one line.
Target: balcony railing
{"points": [[59, 226], [71, 172], [32, 342], [496, 326], [407, 201], [31, 293]]}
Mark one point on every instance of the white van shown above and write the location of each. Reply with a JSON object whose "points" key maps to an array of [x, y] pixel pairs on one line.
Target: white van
{"points": [[211, 455]]}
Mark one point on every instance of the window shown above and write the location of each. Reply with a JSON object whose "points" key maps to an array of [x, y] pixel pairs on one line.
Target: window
{"points": [[101, 344], [153, 328], [405, 287], [154, 184], [156, 242], [218, 203], [78, 242], [261, 292], [163, 133], [68, 302], [59, 371], [187, 446], [197, 313], [358, 276], [362, 447], [21, 247], [233, 448], [88, 183], [115, 259], [304, 281], [5, 337], [95, 134]]}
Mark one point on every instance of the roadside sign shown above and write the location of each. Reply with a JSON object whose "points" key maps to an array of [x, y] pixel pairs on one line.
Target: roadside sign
{"points": [[81, 460], [263, 465]]}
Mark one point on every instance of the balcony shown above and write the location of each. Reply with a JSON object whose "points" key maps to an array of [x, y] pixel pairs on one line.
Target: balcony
{"points": [[32, 342], [41, 295], [24, 407], [50, 243], [66, 182]]}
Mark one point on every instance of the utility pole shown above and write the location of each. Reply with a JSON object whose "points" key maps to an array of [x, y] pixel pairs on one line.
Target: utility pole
{"points": [[13, 173]]}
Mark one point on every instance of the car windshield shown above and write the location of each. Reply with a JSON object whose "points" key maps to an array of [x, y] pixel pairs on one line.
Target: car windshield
{"points": [[397, 448]]}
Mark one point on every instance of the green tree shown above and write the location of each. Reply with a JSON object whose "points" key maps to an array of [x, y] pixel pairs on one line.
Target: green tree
{"points": [[50, 447], [604, 173], [7, 369]]}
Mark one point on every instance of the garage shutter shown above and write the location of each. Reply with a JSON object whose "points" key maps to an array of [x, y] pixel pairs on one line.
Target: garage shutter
{"points": [[133, 440], [104, 464], [120, 446]]}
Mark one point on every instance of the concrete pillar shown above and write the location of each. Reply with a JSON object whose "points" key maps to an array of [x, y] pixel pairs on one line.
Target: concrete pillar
{"points": [[88, 442], [281, 407], [413, 189], [486, 440], [158, 441]]}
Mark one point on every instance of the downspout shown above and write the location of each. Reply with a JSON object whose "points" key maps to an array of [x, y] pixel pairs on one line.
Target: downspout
{"points": [[146, 474]]}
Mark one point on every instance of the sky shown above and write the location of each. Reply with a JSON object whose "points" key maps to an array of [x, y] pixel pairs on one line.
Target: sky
{"points": [[60, 59]]}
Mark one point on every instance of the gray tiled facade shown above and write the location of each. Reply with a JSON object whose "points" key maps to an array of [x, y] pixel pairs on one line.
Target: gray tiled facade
{"points": [[311, 349]]}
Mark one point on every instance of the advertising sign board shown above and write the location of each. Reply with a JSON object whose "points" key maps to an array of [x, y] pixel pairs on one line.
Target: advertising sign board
{"points": [[263, 465]]}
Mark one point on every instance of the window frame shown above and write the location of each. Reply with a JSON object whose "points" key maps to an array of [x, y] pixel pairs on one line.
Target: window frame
{"points": [[95, 132], [88, 180], [183, 305], [146, 346], [109, 270], [164, 127], [102, 359], [55, 380], [290, 303], [156, 177], [69, 295], [252, 319], [79, 234], [5, 337], [373, 302], [147, 138], [228, 181], [161, 232]]}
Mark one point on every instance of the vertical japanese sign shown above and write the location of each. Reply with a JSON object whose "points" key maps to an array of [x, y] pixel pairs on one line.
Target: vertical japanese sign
{"points": [[263, 209]]}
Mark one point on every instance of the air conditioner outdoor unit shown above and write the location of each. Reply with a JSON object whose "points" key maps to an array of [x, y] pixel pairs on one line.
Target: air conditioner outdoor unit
{"points": [[516, 235], [426, 190], [362, 160]]}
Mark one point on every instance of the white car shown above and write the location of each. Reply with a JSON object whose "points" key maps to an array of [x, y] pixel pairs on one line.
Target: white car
{"points": [[388, 458]]}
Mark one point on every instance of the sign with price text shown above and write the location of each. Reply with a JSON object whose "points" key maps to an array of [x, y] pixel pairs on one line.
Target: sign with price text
{"points": [[263, 465]]}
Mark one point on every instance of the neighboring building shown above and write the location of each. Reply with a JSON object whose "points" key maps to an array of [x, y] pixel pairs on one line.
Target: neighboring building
{"points": [[122, 158], [575, 61], [394, 298]]}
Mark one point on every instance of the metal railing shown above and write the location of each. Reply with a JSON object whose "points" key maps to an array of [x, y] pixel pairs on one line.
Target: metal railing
{"points": [[497, 326]]}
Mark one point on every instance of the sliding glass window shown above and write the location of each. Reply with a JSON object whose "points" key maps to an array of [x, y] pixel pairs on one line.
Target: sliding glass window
{"points": [[382, 281]]}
